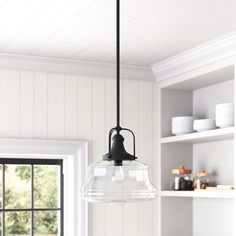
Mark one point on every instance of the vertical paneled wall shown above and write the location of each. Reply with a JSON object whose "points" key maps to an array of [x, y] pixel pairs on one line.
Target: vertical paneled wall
{"points": [[57, 106]]}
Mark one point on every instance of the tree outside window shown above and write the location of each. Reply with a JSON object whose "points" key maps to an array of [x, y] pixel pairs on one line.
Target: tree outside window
{"points": [[31, 197]]}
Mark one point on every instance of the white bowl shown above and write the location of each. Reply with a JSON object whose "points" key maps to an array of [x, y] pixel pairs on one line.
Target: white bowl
{"points": [[223, 113], [181, 132], [186, 126], [204, 124], [182, 125], [225, 105], [225, 118], [224, 108], [182, 119], [221, 125], [224, 123]]}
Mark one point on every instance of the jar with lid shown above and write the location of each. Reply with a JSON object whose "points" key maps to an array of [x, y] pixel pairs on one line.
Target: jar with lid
{"points": [[202, 180], [181, 179]]}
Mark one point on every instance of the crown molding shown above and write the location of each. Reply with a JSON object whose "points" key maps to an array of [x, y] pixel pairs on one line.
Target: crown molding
{"points": [[215, 51], [69, 66], [219, 50]]}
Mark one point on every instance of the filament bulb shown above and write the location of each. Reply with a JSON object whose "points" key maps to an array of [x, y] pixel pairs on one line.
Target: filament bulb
{"points": [[118, 174]]}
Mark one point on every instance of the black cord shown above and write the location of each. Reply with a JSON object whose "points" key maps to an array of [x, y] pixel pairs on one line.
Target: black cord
{"points": [[118, 65]]}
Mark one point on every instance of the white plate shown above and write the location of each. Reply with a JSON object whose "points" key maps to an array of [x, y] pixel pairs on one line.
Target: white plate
{"points": [[225, 104], [182, 118], [224, 119], [224, 124]]}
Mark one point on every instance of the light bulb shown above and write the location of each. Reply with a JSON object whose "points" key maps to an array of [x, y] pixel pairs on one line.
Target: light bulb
{"points": [[118, 174]]}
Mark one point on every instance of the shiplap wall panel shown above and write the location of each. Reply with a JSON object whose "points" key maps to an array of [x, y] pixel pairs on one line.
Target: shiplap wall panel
{"points": [[40, 105], [58, 106], [85, 109], [84, 122], [71, 104], [130, 120], [145, 151], [10, 103], [26, 104], [98, 145]]}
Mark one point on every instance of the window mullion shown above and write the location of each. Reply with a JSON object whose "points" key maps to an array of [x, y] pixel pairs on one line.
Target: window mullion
{"points": [[62, 201], [3, 199], [32, 200]]}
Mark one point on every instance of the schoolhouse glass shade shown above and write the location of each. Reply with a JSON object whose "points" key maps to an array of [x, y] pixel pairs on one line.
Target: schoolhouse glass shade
{"points": [[128, 182]]}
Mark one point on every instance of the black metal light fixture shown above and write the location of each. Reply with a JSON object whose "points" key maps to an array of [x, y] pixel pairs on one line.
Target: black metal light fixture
{"points": [[118, 178]]}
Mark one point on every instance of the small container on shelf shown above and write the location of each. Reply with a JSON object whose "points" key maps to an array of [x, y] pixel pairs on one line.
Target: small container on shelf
{"points": [[181, 179], [202, 180]]}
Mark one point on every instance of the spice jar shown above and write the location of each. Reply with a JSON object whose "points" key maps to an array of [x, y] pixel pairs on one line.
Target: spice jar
{"points": [[181, 179], [202, 180]]}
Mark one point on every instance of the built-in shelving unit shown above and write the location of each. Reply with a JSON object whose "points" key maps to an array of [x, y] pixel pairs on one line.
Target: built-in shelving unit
{"points": [[204, 212]]}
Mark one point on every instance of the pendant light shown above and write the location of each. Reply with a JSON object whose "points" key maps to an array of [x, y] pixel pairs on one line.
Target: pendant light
{"points": [[119, 177]]}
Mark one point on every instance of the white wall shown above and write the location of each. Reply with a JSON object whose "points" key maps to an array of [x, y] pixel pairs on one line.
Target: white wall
{"points": [[59, 106]]}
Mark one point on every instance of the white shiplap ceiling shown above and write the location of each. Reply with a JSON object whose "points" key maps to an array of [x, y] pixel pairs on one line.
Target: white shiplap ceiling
{"points": [[152, 30]]}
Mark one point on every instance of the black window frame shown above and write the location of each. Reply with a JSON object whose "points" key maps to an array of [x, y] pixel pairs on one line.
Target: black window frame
{"points": [[32, 209]]}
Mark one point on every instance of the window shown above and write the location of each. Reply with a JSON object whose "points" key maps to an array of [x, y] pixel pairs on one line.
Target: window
{"points": [[75, 161], [31, 199]]}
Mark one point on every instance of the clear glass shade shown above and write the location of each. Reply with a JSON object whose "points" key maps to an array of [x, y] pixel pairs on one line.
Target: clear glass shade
{"points": [[107, 182]]}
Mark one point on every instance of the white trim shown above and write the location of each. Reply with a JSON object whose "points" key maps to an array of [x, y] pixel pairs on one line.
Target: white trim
{"points": [[75, 156], [69, 66], [218, 51]]}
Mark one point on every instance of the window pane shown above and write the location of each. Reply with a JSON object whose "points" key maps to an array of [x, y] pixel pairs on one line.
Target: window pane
{"points": [[46, 186], [17, 184], [46, 223], [17, 223]]}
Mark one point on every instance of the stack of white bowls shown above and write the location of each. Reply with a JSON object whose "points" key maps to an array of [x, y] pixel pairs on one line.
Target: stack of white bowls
{"points": [[182, 125], [224, 115]]}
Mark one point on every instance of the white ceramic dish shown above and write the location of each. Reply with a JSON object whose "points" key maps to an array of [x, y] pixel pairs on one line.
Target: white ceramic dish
{"points": [[225, 118], [226, 104], [224, 124], [181, 132], [225, 113], [204, 124], [182, 119], [182, 125], [224, 107]]}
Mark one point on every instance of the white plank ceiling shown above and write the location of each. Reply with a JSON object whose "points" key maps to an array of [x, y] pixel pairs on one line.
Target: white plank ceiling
{"points": [[152, 30]]}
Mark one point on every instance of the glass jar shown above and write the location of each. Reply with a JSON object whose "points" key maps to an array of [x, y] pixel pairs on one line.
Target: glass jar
{"points": [[202, 180], [181, 179]]}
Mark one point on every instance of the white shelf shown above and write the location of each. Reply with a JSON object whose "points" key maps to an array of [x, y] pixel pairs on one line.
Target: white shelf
{"points": [[201, 137], [199, 194]]}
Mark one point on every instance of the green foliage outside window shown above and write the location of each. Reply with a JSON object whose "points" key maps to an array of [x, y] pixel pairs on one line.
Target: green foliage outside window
{"points": [[18, 195]]}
